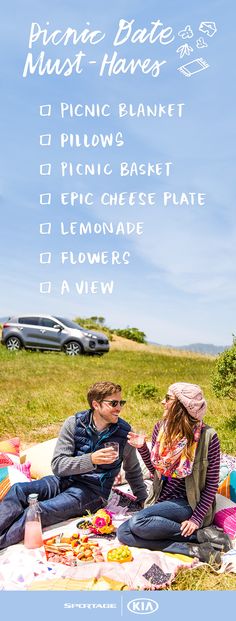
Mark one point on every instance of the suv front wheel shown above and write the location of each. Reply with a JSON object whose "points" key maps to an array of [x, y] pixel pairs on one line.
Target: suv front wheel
{"points": [[13, 343], [73, 348]]}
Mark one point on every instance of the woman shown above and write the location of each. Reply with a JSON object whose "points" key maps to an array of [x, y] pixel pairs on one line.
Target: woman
{"points": [[185, 461]]}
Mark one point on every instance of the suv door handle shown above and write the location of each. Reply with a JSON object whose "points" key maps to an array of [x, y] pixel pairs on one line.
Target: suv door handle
{"points": [[42, 330]]}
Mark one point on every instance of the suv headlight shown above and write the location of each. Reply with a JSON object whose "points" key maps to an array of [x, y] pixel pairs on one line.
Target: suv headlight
{"points": [[89, 335]]}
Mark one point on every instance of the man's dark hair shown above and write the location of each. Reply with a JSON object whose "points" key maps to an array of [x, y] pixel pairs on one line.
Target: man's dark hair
{"points": [[101, 390]]}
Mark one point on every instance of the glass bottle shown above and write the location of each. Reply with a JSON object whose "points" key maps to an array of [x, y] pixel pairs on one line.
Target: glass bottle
{"points": [[33, 528]]}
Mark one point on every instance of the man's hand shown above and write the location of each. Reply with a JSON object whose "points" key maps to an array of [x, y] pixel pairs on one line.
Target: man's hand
{"points": [[188, 527], [104, 456]]}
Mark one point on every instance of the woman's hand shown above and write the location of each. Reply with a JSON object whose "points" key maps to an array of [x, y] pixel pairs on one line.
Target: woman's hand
{"points": [[188, 527], [135, 439]]}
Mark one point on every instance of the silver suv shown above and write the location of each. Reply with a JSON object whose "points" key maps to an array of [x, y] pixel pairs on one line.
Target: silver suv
{"points": [[48, 332]]}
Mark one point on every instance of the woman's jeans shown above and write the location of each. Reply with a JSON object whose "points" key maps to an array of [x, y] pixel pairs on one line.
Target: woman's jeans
{"points": [[59, 500], [158, 527]]}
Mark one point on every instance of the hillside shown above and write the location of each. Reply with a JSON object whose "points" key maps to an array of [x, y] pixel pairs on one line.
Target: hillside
{"points": [[205, 348], [120, 343], [34, 408]]}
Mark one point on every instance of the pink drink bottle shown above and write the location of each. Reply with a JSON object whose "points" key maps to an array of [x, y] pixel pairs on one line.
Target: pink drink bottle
{"points": [[33, 528]]}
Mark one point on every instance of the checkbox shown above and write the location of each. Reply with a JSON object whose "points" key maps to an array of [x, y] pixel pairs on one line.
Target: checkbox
{"points": [[45, 110], [45, 140], [45, 199], [45, 169], [45, 228], [45, 257], [45, 287]]}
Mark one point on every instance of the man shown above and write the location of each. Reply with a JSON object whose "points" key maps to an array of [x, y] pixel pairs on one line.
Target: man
{"points": [[84, 469]]}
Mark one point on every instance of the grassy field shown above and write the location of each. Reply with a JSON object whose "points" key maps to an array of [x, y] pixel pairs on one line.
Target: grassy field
{"points": [[39, 390]]}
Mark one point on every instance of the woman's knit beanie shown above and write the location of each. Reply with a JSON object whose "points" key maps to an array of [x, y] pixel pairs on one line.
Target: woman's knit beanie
{"points": [[191, 396]]}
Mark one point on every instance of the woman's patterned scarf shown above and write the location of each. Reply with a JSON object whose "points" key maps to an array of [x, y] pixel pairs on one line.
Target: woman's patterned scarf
{"points": [[171, 461]]}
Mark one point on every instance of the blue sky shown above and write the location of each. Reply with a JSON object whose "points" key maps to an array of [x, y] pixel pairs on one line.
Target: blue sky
{"points": [[179, 284]]}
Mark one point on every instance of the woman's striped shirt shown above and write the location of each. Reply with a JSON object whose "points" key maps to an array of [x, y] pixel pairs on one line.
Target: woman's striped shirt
{"points": [[175, 488]]}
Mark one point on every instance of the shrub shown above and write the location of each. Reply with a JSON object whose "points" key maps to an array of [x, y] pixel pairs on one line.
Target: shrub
{"points": [[145, 391], [94, 323], [134, 334], [224, 376], [99, 320]]}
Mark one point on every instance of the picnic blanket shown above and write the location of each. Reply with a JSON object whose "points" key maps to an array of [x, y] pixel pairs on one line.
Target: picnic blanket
{"points": [[149, 570], [22, 569]]}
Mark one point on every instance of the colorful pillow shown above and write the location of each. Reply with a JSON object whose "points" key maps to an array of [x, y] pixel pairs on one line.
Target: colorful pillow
{"points": [[228, 486], [226, 519], [8, 476], [11, 471], [225, 516], [9, 452], [25, 468], [40, 457]]}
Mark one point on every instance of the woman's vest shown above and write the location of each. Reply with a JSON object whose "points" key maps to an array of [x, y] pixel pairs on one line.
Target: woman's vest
{"points": [[195, 482], [86, 441]]}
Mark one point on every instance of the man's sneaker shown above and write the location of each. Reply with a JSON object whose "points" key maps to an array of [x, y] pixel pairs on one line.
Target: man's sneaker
{"points": [[205, 553], [218, 539]]}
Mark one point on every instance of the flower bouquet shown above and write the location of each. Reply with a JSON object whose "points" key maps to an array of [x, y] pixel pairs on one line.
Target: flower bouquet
{"points": [[102, 523]]}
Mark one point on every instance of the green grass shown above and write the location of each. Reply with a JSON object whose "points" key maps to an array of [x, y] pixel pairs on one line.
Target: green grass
{"points": [[39, 390]]}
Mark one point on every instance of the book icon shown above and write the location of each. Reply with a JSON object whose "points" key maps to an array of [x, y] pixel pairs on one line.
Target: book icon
{"points": [[194, 66]]}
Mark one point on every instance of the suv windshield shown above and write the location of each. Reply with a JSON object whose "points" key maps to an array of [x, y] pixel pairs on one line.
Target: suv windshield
{"points": [[68, 323]]}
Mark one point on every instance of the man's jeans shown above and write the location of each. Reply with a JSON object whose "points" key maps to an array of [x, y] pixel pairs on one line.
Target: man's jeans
{"points": [[59, 500], [158, 527]]}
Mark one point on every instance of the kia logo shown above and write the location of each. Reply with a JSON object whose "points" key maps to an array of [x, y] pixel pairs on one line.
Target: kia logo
{"points": [[142, 606]]}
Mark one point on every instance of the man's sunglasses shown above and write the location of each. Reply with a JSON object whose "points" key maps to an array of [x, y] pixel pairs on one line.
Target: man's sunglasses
{"points": [[114, 402]]}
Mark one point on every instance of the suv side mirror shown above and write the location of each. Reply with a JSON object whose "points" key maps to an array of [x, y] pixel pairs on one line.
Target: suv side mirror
{"points": [[57, 327]]}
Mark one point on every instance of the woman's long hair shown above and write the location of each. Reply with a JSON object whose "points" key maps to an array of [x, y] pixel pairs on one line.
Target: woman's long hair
{"points": [[179, 424]]}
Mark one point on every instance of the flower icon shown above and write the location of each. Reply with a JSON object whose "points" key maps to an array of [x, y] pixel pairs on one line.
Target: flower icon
{"points": [[186, 33], [201, 43]]}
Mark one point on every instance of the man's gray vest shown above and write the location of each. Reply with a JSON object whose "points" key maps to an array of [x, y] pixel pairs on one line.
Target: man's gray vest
{"points": [[195, 482]]}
